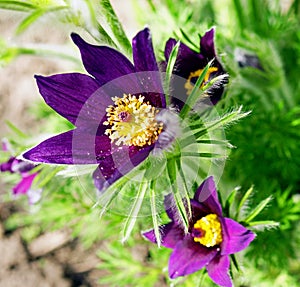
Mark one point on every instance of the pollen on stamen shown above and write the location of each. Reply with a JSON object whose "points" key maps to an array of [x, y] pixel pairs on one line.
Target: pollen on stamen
{"points": [[132, 121], [208, 231]]}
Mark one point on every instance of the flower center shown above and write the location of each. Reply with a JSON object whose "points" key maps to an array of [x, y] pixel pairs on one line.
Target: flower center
{"points": [[189, 85], [132, 121], [208, 231]]}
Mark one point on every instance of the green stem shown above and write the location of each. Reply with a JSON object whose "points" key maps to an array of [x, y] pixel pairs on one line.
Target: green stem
{"points": [[154, 213], [169, 71], [194, 96], [136, 206], [46, 53], [240, 14], [116, 27], [185, 188]]}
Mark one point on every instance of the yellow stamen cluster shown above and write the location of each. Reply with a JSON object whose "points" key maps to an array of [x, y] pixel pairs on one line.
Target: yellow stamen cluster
{"points": [[132, 121], [189, 85], [210, 229]]}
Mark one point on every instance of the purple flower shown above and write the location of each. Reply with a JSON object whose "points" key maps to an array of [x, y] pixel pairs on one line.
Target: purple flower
{"points": [[23, 168], [210, 240], [114, 110], [245, 59], [190, 64], [8, 165], [14, 165]]}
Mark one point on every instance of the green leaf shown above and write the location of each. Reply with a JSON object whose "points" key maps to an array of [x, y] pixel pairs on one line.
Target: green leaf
{"points": [[169, 71], [115, 25], [104, 37], [182, 210], [133, 214], [172, 173], [152, 5], [17, 5], [229, 201], [154, 213], [29, 20], [187, 38], [224, 121], [92, 12], [46, 175], [16, 130], [234, 261], [194, 96], [227, 119], [185, 189], [265, 224], [244, 200], [106, 199], [219, 80], [38, 51], [171, 168], [203, 154], [240, 14], [216, 142], [258, 209], [76, 170]]}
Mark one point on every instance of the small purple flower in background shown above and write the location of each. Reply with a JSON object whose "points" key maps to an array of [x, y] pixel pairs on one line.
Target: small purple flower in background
{"points": [[210, 240], [190, 64], [23, 168], [121, 124], [245, 59]]}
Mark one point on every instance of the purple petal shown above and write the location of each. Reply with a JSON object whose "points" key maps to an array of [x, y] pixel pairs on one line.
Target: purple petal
{"points": [[188, 61], [104, 63], [118, 164], [199, 210], [188, 257], [143, 54], [217, 270], [8, 165], [14, 165], [207, 195], [235, 237], [24, 185], [72, 147], [171, 234], [207, 46], [5, 145], [150, 235], [145, 61], [67, 93]]}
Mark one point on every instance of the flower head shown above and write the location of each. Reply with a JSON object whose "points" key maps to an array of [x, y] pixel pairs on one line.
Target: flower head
{"points": [[132, 121], [210, 240], [14, 165], [115, 110], [190, 64]]}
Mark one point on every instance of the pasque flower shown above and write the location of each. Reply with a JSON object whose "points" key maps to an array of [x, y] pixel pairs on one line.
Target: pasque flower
{"points": [[14, 165], [190, 64], [210, 240], [114, 110]]}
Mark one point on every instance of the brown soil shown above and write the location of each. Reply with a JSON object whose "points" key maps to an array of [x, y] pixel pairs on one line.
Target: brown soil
{"points": [[53, 259]]}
